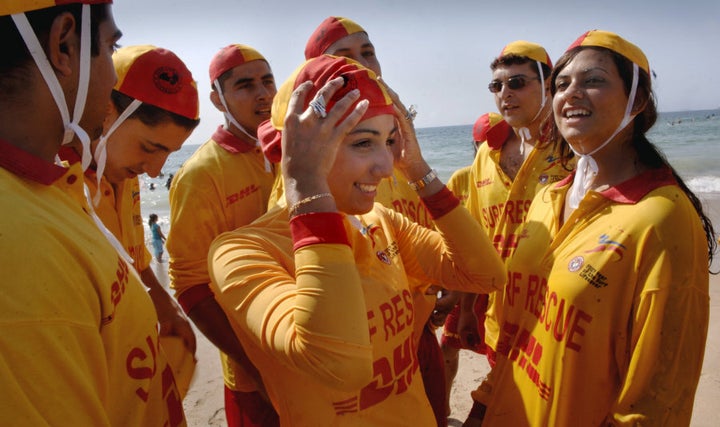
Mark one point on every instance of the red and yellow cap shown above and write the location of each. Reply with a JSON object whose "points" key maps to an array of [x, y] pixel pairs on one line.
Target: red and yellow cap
{"points": [[527, 49], [328, 32], [615, 43], [230, 57], [10, 7], [491, 127], [321, 70], [156, 76]]}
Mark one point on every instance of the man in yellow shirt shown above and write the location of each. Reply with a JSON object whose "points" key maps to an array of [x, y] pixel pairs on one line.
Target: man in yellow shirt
{"points": [[224, 185], [154, 109], [507, 174], [78, 332]]}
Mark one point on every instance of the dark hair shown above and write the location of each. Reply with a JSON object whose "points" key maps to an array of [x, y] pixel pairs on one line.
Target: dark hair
{"points": [[151, 115], [648, 154], [512, 59], [15, 56], [153, 218]]}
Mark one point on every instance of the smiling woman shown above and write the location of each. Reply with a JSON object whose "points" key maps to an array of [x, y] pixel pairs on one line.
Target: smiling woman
{"points": [[610, 282], [317, 290]]}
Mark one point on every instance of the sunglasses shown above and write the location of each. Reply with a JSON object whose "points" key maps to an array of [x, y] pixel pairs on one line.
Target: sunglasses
{"points": [[514, 83]]}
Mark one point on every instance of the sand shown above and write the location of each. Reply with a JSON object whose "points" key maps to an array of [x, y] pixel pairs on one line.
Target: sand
{"points": [[204, 402]]}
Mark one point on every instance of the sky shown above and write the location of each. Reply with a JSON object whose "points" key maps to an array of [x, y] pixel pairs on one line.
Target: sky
{"points": [[436, 53]]}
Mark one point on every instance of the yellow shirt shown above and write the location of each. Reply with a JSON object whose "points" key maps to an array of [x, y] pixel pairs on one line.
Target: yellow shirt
{"points": [[343, 355], [501, 204], [120, 212], [78, 332], [222, 186], [460, 183], [606, 316]]}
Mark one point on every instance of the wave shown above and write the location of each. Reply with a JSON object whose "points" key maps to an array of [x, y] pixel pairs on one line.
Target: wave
{"points": [[704, 184]]}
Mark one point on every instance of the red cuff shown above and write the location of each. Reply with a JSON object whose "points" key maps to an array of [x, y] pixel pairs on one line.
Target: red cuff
{"points": [[440, 203], [318, 227], [194, 296]]}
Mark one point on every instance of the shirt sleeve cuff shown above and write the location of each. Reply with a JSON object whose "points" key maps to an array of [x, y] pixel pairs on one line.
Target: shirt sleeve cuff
{"points": [[441, 203], [318, 227], [193, 296]]}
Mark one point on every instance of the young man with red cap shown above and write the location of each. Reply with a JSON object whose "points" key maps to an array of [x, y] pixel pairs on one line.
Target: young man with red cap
{"points": [[78, 332], [154, 109], [507, 174], [225, 184]]}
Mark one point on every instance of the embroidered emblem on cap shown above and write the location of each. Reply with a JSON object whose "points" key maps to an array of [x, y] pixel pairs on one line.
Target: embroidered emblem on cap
{"points": [[167, 80]]}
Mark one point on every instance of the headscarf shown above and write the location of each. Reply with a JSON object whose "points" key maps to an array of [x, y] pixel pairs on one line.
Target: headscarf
{"points": [[321, 70]]}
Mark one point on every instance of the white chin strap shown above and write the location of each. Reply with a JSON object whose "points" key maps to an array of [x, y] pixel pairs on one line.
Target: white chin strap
{"points": [[231, 119], [100, 154], [587, 167], [524, 132], [38, 54], [108, 234]]}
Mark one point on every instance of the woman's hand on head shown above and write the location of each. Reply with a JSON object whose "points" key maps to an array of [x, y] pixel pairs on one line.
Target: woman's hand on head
{"points": [[310, 142], [407, 154]]}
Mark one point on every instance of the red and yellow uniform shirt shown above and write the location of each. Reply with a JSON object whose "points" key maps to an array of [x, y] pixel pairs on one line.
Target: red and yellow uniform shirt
{"points": [[501, 204], [343, 355], [119, 210], [222, 186], [395, 193], [460, 183], [606, 316], [77, 328]]}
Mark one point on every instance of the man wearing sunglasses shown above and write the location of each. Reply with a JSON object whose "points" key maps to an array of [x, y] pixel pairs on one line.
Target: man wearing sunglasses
{"points": [[506, 175]]}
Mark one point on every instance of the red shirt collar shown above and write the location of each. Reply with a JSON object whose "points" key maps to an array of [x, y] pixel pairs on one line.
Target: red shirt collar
{"points": [[28, 166], [635, 188], [230, 142]]}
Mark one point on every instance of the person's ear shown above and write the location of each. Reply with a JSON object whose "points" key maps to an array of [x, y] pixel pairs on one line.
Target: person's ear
{"points": [[641, 100], [62, 47], [215, 99], [110, 117]]}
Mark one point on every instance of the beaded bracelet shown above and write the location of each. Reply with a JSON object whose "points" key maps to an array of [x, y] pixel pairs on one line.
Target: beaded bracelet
{"points": [[293, 209]]}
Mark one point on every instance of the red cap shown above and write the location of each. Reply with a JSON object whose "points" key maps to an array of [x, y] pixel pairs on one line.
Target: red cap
{"points": [[615, 43], [157, 77], [328, 32], [491, 127], [230, 57]]}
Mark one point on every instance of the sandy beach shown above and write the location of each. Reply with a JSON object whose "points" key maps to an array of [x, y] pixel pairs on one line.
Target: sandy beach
{"points": [[204, 402]]}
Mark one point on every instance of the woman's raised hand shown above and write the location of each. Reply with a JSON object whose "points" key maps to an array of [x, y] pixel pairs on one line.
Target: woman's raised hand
{"points": [[310, 141]]}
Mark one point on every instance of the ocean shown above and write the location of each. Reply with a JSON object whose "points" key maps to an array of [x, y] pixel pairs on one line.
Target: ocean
{"points": [[689, 139]]}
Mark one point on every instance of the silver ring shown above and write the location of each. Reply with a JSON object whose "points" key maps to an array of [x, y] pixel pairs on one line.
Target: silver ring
{"points": [[411, 113], [318, 106]]}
